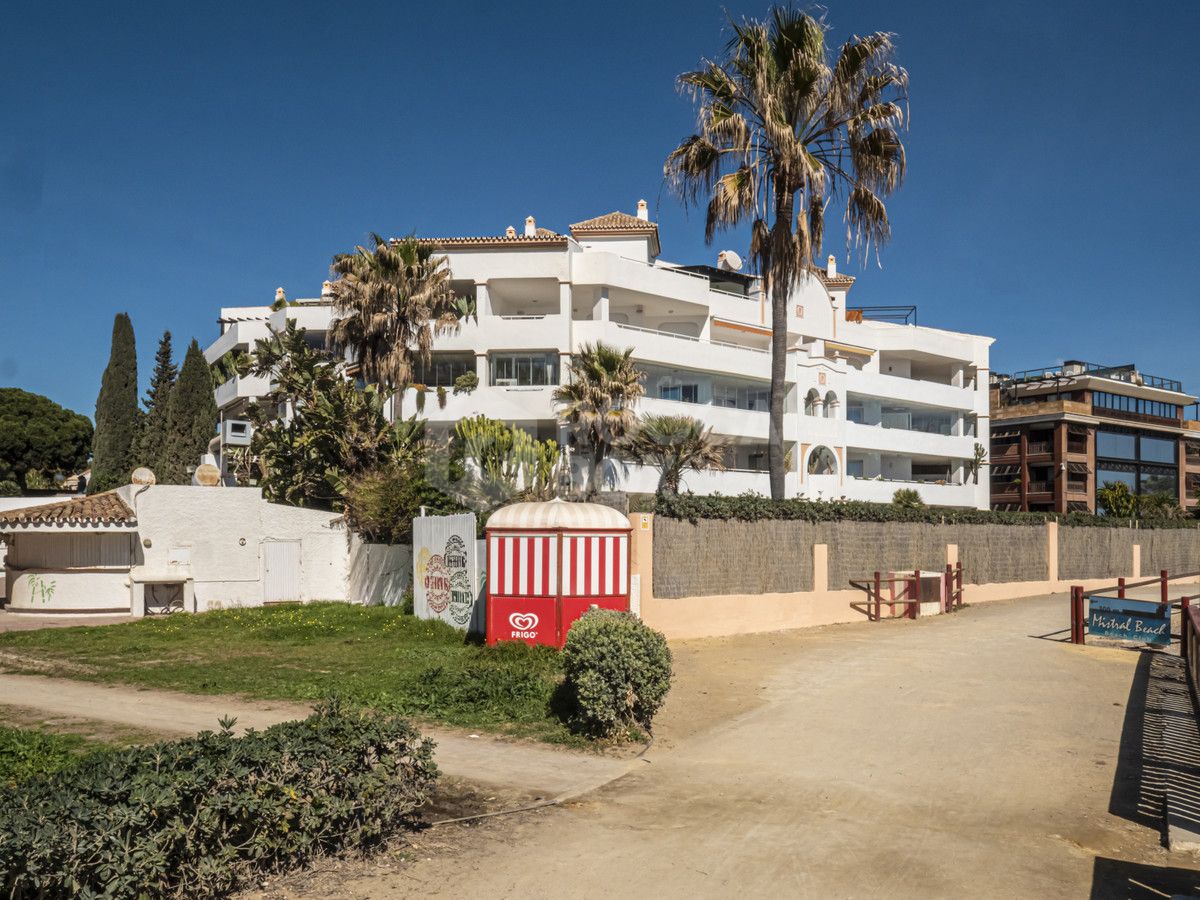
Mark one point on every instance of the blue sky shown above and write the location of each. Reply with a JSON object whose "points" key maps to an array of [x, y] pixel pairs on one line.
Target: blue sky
{"points": [[168, 159]]}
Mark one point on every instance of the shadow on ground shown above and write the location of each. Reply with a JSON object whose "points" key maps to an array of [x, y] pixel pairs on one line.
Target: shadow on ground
{"points": [[1116, 878]]}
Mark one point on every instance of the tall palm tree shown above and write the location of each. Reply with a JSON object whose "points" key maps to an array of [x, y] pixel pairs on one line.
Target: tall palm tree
{"points": [[784, 128], [598, 399], [675, 444], [390, 300]]}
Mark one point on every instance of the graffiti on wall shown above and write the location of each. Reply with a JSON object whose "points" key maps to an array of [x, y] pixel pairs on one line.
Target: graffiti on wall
{"points": [[41, 590], [445, 579]]}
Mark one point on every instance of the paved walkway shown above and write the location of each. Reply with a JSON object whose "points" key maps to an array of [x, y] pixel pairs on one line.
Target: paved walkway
{"points": [[529, 769]]}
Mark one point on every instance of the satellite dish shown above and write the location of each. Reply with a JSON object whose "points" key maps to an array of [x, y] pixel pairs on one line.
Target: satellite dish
{"points": [[142, 475], [729, 260], [207, 475]]}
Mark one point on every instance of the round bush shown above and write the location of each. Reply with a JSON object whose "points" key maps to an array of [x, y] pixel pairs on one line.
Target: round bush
{"points": [[618, 672]]}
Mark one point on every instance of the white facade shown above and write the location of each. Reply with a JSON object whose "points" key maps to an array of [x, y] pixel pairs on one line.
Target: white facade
{"points": [[220, 547], [872, 406]]}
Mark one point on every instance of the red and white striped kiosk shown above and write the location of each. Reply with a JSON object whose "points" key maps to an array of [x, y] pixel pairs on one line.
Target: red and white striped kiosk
{"points": [[547, 563]]}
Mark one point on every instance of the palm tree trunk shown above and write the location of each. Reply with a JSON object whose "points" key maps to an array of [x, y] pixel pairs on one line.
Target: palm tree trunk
{"points": [[779, 285]]}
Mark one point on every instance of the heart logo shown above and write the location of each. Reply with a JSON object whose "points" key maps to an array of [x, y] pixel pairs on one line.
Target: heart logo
{"points": [[523, 621]]}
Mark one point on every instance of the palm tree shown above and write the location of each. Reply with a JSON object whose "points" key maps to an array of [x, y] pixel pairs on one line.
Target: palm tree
{"points": [[675, 444], [389, 301], [783, 130], [597, 401]]}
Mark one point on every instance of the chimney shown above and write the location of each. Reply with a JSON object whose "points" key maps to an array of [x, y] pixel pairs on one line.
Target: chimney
{"points": [[510, 231], [831, 266], [280, 297], [326, 288], [643, 212], [530, 227]]}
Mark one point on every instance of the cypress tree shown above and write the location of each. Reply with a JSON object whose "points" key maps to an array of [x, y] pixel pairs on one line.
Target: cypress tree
{"points": [[152, 439], [192, 419], [117, 412]]}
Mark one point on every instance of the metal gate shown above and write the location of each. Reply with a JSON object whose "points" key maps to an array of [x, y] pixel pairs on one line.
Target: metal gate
{"points": [[281, 571]]}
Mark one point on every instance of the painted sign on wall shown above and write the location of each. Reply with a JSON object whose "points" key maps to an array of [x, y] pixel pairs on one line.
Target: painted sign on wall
{"points": [[446, 570], [1129, 620]]}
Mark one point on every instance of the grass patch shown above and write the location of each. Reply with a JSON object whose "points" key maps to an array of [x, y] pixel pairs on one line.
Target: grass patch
{"points": [[29, 752], [375, 657]]}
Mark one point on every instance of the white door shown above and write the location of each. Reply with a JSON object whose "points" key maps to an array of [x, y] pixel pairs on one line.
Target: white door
{"points": [[281, 570]]}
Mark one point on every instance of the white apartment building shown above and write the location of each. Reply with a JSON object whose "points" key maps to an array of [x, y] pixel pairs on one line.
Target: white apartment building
{"points": [[874, 402]]}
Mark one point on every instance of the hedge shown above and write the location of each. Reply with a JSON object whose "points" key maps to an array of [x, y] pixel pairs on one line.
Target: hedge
{"points": [[753, 507], [200, 817]]}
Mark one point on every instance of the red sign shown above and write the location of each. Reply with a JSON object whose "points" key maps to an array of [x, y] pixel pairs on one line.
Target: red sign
{"points": [[533, 620]]}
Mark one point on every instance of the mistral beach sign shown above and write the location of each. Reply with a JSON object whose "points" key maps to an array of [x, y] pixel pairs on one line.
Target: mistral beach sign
{"points": [[1130, 620]]}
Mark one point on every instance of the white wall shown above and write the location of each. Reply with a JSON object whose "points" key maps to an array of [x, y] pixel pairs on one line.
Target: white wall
{"points": [[215, 536], [379, 573]]}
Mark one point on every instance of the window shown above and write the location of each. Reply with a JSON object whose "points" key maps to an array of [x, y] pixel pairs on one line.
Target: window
{"points": [[1158, 480], [524, 369], [854, 468], [812, 403], [443, 369], [1101, 400], [1126, 476], [822, 462], [831, 405], [854, 412], [687, 393], [1158, 450], [1116, 445]]}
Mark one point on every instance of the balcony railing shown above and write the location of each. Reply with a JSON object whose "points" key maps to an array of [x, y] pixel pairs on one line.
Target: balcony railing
{"points": [[688, 337], [1035, 448]]}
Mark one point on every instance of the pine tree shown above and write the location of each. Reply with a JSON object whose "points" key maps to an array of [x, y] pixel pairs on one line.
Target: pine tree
{"points": [[117, 412], [192, 420], [152, 438]]}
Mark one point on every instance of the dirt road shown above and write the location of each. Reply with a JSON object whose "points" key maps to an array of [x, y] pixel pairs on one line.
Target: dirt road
{"points": [[949, 757]]}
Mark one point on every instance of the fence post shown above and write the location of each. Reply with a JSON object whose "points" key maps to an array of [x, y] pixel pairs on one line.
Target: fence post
{"points": [[878, 596], [1162, 586], [914, 606], [1184, 617], [1121, 588], [948, 588], [958, 568], [1076, 614]]}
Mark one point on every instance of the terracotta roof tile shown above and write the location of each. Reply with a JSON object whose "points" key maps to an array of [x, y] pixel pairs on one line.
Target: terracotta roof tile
{"points": [[99, 509], [614, 221], [544, 238]]}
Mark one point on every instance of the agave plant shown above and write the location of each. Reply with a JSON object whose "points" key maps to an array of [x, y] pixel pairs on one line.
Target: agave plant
{"points": [[786, 127], [675, 444]]}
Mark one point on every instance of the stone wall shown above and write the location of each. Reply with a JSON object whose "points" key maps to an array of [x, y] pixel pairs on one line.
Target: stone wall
{"points": [[719, 557]]}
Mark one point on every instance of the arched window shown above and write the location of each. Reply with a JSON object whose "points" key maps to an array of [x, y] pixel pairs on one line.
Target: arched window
{"points": [[812, 403], [831, 405], [821, 461]]}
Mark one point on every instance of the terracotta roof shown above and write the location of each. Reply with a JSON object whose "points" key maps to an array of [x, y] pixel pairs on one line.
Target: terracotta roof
{"points": [[614, 221], [617, 222], [838, 279], [544, 238], [99, 509]]}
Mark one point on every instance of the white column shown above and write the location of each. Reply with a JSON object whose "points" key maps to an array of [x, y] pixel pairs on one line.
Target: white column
{"points": [[600, 307], [481, 368], [483, 300], [564, 299]]}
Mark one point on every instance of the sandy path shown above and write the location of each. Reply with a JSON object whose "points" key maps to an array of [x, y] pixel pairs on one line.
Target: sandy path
{"points": [[527, 768]]}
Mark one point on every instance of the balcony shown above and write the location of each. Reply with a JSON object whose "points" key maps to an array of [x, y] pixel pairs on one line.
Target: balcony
{"points": [[1043, 408], [677, 349], [898, 440], [549, 332], [880, 491], [912, 390], [239, 388], [506, 403], [237, 336], [722, 419]]}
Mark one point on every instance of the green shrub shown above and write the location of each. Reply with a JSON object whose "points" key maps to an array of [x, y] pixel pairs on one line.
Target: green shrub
{"points": [[26, 752], [466, 382], [907, 498], [618, 672], [9, 488], [752, 507], [200, 817]]}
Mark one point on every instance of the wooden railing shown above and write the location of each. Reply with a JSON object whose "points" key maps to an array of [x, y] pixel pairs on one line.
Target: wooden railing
{"points": [[909, 595]]}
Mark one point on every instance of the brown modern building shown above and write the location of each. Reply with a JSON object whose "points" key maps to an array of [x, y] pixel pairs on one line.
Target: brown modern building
{"points": [[1058, 434]]}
